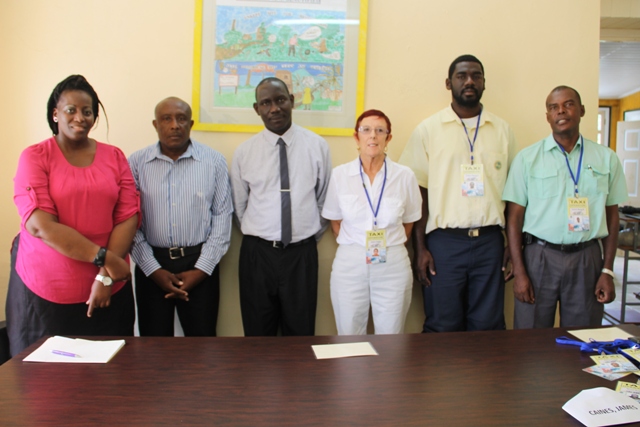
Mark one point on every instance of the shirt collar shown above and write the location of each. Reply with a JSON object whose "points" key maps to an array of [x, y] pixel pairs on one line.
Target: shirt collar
{"points": [[450, 116], [550, 143], [354, 167], [192, 151], [288, 136]]}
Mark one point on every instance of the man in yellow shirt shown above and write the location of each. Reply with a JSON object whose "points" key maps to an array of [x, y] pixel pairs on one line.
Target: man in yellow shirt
{"points": [[461, 156]]}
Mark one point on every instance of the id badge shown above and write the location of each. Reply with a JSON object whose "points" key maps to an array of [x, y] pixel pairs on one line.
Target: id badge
{"points": [[376, 246], [578, 208], [472, 180]]}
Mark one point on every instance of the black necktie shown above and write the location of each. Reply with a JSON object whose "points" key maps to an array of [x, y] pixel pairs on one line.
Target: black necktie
{"points": [[285, 194]]}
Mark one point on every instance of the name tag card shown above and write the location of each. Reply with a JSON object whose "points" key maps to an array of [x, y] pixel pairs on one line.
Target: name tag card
{"points": [[578, 208], [472, 180], [376, 246], [602, 407]]}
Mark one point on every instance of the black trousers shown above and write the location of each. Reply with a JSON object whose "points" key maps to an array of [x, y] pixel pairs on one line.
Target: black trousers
{"points": [[278, 288], [30, 317], [198, 316]]}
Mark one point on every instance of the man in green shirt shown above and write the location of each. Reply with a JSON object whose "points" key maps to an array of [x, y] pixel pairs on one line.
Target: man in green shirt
{"points": [[563, 194]]}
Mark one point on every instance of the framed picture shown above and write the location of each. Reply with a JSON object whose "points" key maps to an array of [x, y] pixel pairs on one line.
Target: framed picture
{"points": [[631, 115], [317, 47]]}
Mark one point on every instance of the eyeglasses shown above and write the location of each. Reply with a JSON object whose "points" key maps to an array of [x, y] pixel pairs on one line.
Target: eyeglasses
{"points": [[367, 130]]}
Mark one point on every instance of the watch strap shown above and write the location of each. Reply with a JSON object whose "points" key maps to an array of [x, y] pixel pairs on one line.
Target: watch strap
{"points": [[100, 258]]}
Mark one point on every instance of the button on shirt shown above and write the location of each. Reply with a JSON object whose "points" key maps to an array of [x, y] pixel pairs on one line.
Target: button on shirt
{"points": [[184, 203], [435, 152], [255, 178], [346, 200], [539, 180]]}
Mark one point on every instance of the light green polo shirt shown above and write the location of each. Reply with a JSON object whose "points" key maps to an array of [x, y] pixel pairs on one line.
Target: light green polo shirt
{"points": [[539, 180]]}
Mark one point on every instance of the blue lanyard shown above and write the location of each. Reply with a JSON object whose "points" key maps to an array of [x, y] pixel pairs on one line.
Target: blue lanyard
{"points": [[384, 183], [575, 178], [475, 135]]}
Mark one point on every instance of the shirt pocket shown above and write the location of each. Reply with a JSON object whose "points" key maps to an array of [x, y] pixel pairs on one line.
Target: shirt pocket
{"points": [[596, 180], [391, 212], [544, 183], [350, 207]]}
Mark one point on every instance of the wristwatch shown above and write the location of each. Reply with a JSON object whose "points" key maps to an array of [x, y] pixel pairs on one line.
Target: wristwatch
{"points": [[106, 280], [100, 258]]}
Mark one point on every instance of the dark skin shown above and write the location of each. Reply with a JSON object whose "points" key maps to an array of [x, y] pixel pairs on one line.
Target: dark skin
{"points": [[75, 119], [273, 105], [564, 112], [467, 85], [173, 124]]}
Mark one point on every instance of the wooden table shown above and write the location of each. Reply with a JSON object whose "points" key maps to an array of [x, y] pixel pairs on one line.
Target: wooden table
{"points": [[510, 378]]}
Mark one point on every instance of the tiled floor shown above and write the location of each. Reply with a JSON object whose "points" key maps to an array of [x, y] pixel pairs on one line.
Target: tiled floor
{"points": [[632, 314]]}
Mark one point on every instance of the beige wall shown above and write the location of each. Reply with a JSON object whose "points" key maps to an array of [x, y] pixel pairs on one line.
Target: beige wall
{"points": [[137, 52]]}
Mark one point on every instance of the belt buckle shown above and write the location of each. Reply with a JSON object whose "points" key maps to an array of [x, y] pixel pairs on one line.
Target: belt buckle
{"points": [[474, 232], [277, 244], [179, 255]]}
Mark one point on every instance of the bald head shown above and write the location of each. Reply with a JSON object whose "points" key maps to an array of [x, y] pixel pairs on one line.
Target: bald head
{"points": [[174, 101], [173, 124]]}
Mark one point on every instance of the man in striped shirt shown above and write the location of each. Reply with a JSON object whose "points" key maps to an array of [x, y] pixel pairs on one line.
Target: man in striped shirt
{"points": [[186, 227]]}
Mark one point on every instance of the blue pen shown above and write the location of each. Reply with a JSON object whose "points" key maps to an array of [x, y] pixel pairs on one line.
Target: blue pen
{"points": [[65, 353]]}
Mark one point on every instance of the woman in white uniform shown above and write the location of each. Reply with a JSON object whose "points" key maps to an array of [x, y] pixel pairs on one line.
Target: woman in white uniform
{"points": [[372, 203]]}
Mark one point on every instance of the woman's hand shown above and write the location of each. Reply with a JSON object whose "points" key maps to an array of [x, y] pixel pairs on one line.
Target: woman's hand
{"points": [[100, 296], [116, 267]]}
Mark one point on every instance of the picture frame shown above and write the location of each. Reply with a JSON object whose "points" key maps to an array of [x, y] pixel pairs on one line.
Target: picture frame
{"points": [[317, 47]]}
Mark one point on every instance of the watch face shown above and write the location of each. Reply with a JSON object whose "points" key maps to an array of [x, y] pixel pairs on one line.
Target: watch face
{"points": [[107, 281]]}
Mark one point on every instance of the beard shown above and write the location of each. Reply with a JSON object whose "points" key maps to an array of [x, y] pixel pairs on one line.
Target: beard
{"points": [[467, 101]]}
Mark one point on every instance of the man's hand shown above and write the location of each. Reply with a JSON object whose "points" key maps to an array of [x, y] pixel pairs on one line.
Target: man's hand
{"points": [[523, 289], [169, 283], [100, 297], [605, 290], [423, 261], [191, 278], [117, 268], [507, 268]]}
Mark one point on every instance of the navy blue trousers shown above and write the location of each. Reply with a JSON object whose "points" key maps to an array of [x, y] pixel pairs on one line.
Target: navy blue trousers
{"points": [[467, 291]]}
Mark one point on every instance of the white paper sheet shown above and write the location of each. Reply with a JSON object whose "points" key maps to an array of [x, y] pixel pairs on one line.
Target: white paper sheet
{"points": [[86, 350], [332, 351], [601, 334], [601, 406]]}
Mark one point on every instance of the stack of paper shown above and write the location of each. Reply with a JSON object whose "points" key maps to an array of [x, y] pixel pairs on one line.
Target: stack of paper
{"points": [[68, 350]]}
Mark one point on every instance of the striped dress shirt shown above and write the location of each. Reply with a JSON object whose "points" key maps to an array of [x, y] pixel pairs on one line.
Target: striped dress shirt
{"points": [[184, 203]]}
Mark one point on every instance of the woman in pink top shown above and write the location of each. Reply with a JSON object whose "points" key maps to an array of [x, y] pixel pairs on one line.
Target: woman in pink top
{"points": [[79, 208]]}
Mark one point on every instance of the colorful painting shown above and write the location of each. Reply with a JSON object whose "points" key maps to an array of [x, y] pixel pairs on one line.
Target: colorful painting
{"points": [[312, 45], [253, 43]]}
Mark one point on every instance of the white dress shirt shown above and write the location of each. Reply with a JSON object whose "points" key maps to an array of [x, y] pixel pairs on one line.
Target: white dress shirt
{"points": [[255, 179]]}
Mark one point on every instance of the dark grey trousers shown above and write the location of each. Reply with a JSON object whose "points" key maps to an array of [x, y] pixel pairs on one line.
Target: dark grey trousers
{"points": [[565, 278]]}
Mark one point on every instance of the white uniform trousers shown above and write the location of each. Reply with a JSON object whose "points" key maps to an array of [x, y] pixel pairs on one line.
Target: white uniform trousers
{"points": [[356, 284]]}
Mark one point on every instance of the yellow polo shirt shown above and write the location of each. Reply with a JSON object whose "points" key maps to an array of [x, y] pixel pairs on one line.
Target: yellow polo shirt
{"points": [[435, 152]]}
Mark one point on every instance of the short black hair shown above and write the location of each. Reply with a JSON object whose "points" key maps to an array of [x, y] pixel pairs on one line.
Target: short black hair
{"points": [[563, 87], [272, 79], [73, 82], [463, 58]]}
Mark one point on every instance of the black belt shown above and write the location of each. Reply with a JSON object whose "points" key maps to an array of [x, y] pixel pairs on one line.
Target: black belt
{"points": [[568, 248], [279, 245], [176, 252], [473, 232]]}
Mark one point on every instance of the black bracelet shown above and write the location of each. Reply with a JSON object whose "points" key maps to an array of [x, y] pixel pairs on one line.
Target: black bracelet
{"points": [[100, 258]]}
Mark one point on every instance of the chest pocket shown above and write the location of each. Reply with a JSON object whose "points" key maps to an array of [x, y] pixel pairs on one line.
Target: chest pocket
{"points": [[596, 180], [544, 183], [349, 206]]}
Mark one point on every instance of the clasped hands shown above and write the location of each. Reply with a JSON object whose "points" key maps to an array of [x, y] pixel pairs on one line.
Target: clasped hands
{"points": [[177, 285]]}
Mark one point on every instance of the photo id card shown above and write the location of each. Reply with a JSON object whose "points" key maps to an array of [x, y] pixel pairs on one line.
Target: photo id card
{"points": [[472, 180], [578, 208], [376, 246]]}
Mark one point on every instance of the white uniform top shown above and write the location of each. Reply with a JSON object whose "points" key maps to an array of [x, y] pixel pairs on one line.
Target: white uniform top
{"points": [[347, 201]]}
